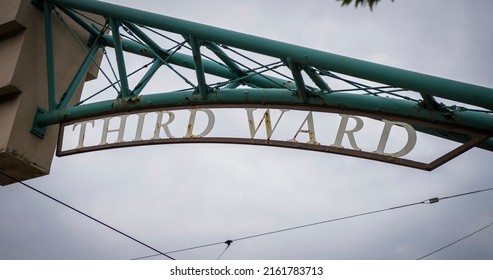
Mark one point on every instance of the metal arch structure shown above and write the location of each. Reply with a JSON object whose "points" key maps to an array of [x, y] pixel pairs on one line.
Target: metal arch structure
{"points": [[227, 74]]}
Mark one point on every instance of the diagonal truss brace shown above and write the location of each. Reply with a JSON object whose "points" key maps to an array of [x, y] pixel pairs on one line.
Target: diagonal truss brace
{"points": [[122, 71], [199, 68]]}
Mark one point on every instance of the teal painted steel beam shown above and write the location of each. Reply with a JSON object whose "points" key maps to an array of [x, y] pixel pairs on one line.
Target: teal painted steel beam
{"points": [[430, 102], [367, 105], [79, 77], [199, 68], [298, 79], [232, 85], [147, 77], [89, 28], [154, 47], [225, 58], [50, 56], [315, 77], [422, 83], [120, 59]]}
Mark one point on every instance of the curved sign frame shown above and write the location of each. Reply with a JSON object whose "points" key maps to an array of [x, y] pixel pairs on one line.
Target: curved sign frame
{"points": [[125, 134]]}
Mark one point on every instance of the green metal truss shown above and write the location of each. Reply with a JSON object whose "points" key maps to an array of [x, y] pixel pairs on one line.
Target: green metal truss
{"points": [[230, 70]]}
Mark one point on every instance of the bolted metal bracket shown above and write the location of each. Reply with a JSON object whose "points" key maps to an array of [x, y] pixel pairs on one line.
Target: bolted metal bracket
{"points": [[36, 129]]}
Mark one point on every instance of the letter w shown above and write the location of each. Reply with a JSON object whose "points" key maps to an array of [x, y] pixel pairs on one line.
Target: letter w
{"points": [[268, 122]]}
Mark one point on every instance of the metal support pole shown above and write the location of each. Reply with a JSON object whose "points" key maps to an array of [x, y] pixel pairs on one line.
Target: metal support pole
{"points": [[158, 51], [50, 57], [115, 30], [225, 58], [147, 77], [311, 72], [298, 79], [89, 28], [430, 101], [79, 77], [199, 68]]}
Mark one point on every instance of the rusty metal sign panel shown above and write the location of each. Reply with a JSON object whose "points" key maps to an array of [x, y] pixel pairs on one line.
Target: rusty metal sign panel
{"points": [[383, 140]]}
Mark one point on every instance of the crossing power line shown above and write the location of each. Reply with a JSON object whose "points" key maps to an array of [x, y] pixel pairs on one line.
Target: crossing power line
{"points": [[456, 241], [230, 241], [427, 201]]}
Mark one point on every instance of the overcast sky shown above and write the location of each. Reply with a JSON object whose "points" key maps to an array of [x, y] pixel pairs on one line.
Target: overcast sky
{"points": [[178, 196]]}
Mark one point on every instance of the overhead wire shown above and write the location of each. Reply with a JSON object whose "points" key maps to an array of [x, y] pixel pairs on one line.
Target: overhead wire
{"points": [[268, 67], [427, 201], [87, 17], [85, 215], [252, 70], [228, 244], [456, 241], [107, 87], [253, 61], [368, 89]]}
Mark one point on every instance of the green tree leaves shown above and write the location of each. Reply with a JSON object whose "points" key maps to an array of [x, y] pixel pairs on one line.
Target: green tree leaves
{"points": [[370, 3]]}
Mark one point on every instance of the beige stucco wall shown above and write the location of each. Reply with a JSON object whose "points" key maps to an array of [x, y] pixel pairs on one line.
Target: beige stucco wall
{"points": [[23, 85]]}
